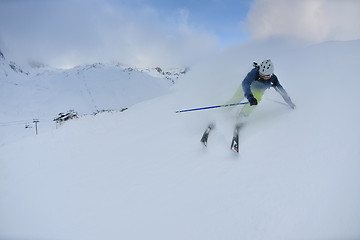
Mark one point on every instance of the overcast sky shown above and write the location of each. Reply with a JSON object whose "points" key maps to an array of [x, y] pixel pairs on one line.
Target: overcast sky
{"points": [[162, 32]]}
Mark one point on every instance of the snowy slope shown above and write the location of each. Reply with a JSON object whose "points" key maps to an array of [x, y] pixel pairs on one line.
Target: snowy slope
{"points": [[142, 173], [45, 92], [8, 68]]}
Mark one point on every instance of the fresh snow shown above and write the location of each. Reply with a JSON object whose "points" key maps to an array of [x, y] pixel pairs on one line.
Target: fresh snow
{"points": [[143, 173]]}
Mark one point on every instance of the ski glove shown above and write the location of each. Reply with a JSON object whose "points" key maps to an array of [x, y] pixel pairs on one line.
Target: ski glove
{"points": [[252, 100]]}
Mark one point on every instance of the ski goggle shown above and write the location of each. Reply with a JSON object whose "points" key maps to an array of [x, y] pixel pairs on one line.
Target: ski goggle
{"points": [[265, 77]]}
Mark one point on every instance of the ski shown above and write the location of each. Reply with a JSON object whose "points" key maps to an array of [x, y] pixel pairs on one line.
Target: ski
{"points": [[205, 136], [235, 140]]}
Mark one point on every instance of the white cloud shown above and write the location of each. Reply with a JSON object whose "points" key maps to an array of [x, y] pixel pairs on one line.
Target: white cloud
{"points": [[70, 32], [310, 20]]}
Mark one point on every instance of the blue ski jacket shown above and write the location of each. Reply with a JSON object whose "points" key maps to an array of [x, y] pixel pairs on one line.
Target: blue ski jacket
{"points": [[253, 81]]}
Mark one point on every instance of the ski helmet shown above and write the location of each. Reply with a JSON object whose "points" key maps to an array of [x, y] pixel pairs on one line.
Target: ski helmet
{"points": [[266, 68]]}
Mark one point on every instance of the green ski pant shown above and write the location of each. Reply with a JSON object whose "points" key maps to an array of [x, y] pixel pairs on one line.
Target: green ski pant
{"points": [[239, 96]]}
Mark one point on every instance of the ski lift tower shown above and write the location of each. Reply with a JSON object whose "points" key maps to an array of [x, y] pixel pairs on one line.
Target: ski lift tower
{"points": [[36, 123]]}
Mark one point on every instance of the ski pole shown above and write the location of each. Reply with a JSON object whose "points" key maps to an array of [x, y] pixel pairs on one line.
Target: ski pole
{"points": [[211, 107]]}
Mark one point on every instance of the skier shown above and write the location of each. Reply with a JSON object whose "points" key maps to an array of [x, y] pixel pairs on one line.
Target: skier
{"points": [[259, 79]]}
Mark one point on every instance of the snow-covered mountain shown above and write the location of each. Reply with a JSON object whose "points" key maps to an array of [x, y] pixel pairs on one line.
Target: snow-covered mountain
{"points": [[143, 174], [9, 68], [43, 92]]}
